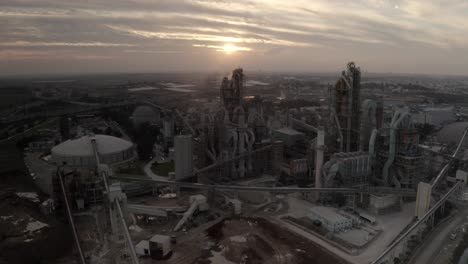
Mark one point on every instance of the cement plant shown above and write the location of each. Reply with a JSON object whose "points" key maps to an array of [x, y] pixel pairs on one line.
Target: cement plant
{"points": [[237, 167]]}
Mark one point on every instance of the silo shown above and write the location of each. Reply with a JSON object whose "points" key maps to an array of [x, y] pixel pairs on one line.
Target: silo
{"points": [[183, 156]]}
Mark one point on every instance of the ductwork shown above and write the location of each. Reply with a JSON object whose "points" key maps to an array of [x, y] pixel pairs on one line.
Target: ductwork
{"points": [[369, 110], [396, 120]]}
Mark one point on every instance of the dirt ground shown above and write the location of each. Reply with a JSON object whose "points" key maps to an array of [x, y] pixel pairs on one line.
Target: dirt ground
{"points": [[256, 240], [26, 236], [18, 245]]}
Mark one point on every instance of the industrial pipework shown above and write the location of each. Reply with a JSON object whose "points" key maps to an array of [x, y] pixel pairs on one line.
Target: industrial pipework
{"points": [[346, 102], [368, 122], [319, 148], [396, 120]]}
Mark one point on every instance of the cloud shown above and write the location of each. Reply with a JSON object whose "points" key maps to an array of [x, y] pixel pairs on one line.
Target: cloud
{"points": [[61, 44], [227, 48], [303, 28]]}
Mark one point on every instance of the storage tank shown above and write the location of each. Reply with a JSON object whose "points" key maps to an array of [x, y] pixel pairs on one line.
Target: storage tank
{"points": [[80, 152]]}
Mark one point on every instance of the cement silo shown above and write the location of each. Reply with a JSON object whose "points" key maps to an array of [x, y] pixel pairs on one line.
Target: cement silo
{"points": [[183, 156]]}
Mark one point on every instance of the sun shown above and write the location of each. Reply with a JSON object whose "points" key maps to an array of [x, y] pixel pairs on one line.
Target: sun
{"points": [[229, 48]]}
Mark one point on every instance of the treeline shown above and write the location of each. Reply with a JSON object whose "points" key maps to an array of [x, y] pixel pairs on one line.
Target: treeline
{"points": [[144, 135]]}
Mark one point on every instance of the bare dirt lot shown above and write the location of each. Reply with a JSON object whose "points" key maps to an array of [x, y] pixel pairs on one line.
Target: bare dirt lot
{"points": [[256, 240]]}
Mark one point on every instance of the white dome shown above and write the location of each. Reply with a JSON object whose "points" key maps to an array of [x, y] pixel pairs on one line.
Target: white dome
{"points": [[79, 152]]}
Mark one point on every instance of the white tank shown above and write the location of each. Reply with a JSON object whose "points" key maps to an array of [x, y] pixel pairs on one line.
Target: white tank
{"points": [[80, 153]]}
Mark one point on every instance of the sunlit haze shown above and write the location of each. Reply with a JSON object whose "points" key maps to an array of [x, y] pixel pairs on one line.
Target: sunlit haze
{"points": [[56, 36]]}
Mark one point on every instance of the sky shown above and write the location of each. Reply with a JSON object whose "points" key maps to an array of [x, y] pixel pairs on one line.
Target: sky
{"points": [[106, 36]]}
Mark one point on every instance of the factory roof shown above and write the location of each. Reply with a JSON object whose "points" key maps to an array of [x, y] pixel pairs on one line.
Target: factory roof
{"points": [[328, 213], [143, 244], [83, 147]]}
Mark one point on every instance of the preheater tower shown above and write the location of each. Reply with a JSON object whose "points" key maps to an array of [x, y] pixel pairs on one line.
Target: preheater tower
{"points": [[347, 104]]}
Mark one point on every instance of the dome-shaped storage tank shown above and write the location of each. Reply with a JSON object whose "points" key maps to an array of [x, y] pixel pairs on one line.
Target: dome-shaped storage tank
{"points": [[80, 152]]}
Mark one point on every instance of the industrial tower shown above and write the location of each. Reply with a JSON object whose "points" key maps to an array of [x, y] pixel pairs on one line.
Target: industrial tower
{"points": [[347, 104]]}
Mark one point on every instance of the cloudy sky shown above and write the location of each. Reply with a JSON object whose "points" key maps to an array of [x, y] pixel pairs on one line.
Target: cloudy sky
{"points": [[70, 36]]}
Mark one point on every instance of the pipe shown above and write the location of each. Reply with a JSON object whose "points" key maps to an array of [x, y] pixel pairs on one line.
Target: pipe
{"points": [[303, 125], [126, 233], [187, 215], [350, 114], [95, 151], [212, 166], [186, 123], [319, 148], [319, 157], [250, 141], [340, 133], [236, 188], [369, 107], [70, 218], [241, 116], [241, 149], [392, 145], [371, 149], [211, 155]]}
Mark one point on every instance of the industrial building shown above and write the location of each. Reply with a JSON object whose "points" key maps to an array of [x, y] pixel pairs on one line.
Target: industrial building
{"points": [[157, 247], [319, 167], [288, 136], [330, 219], [346, 102]]}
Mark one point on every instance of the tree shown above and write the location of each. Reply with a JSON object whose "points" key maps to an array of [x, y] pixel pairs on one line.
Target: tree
{"points": [[425, 130], [117, 133], [108, 131], [145, 139]]}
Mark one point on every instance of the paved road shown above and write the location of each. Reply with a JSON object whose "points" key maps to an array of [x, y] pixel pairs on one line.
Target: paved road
{"points": [[149, 172], [433, 247]]}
